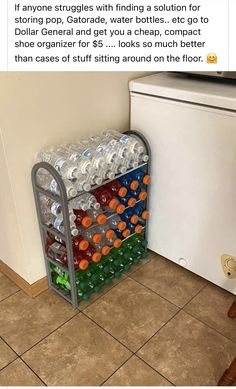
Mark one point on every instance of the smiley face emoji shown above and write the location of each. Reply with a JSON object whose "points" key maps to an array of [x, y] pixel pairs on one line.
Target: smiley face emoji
{"points": [[211, 58]]}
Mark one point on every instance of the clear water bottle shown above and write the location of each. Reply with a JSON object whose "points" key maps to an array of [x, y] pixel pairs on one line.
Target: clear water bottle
{"points": [[59, 225], [85, 201], [55, 208], [67, 169], [46, 181]]}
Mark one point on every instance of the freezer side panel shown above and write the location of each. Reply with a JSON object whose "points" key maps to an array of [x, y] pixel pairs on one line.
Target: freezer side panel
{"points": [[193, 191]]}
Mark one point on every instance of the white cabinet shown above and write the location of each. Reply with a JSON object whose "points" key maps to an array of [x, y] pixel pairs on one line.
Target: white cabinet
{"points": [[191, 126]]}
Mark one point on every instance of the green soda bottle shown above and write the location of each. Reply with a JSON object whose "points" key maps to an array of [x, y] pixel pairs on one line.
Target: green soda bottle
{"points": [[82, 296]]}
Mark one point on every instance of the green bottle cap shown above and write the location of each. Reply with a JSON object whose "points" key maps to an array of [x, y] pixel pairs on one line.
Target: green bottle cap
{"points": [[86, 296], [136, 261], [97, 289], [127, 267], [107, 281], [117, 274], [106, 269], [82, 284]]}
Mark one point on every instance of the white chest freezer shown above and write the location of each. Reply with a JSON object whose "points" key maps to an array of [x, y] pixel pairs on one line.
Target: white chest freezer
{"points": [[191, 126]]}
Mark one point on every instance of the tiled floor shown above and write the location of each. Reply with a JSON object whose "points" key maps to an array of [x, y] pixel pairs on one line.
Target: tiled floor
{"points": [[160, 325]]}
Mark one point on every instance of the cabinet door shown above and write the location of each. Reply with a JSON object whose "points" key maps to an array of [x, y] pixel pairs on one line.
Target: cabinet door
{"points": [[193, 190]]}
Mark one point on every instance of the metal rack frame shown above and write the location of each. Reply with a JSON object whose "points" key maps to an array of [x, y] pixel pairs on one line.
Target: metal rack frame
{"points": [[66, 237]]}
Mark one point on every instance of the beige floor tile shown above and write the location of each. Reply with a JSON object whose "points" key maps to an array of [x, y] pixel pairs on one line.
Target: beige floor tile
{"points": [[211, 306], [26, 321], [18, 374], [187, 352], [78, 354], [136, 373], [169, 280], [131, 313], [7, 287], [6, 354]]}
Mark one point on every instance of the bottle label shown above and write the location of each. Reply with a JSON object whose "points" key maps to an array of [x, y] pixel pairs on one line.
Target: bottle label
{"points": [[55, 208], [53, 187], [58, 224], [101, 148], [87, 152], [59, 163], [124, 139]]}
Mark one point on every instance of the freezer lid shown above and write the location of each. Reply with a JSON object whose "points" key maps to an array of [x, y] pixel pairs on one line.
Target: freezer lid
{"points": [[179, 86]]}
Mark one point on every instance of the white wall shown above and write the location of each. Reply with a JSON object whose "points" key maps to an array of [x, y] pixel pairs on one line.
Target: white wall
{"points": [[36, 110]]}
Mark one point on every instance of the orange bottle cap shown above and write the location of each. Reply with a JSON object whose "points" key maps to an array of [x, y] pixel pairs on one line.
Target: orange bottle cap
{"points": [[87, 221], [113, 203], [126, 233], [138, 229], [146, 179], [122, 191], [145, 214], [110, 234], [105, 250], [131, 202], [83, 245], [121, 225], [101, 219], [83, 264], [117, 243], [96, 257], [134, 219], [134, 185], [97, 238], [142, 195], [120, 209]]}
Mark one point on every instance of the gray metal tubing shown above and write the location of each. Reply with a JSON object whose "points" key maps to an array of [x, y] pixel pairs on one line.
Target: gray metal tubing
{"points": [[67, 234]]}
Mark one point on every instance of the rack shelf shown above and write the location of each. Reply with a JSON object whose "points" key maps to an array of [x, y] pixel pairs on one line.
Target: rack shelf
{"points": [[72, 295]]}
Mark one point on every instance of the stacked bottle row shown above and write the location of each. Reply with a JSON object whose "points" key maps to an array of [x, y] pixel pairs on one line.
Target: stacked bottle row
{"points": [[111, 266], [89, 162], [99, 220]]}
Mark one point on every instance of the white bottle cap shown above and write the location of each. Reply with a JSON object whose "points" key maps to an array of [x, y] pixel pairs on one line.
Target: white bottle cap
{"points": [[86, 187]]}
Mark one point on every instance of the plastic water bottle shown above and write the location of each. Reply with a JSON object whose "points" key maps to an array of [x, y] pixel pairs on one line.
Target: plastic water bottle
{"points": [[138, 194], [84, 201], [141, 211], [59, 225], [128, 201], [67, 169], [93, 235], [97, 216], [105, 198], [141, 177], [105, 231], [82, 218], [46, 182], [116, 188], [57, 251], [115, 222], [79, 243], [92, 255]]}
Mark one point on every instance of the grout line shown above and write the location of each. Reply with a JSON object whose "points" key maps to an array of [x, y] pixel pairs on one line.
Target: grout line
{"points": [[157, 331], [153, 291], [33, 371], [212, 328], [5, 298], [116, 370], [203, 287], [50, 333], [9, 347], [122, 344], [156, 371]]}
